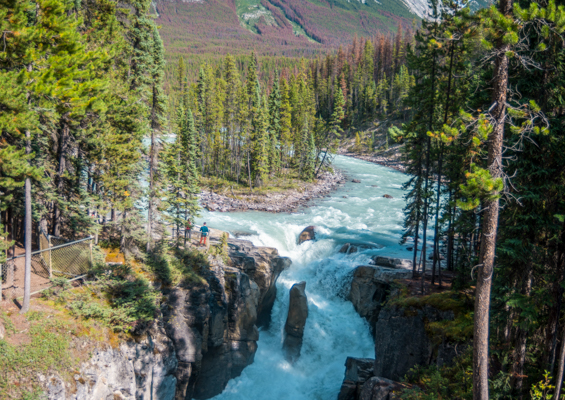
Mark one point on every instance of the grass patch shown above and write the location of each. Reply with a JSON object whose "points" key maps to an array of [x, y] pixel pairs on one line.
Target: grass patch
{"points": [[47, 350]]}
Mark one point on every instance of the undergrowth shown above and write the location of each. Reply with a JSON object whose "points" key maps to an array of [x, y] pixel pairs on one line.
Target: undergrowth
{"points": [[118, 297], [171, 267], [460, 329]]}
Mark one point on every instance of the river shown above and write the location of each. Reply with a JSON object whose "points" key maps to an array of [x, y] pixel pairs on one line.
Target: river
{"points": [[357, 212]]}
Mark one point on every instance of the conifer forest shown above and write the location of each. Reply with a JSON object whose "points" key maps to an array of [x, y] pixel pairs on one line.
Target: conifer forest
{"points": [[104, 134]]}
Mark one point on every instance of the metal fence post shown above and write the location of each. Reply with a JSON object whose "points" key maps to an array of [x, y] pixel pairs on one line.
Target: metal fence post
{"points": [[50, 258], [91, 261]]}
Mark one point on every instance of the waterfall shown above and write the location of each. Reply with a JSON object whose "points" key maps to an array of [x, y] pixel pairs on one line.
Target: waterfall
{"points": [[357, 212]]}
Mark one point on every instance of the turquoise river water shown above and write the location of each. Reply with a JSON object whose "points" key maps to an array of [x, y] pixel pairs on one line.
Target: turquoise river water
{"points": [[357, 212]]}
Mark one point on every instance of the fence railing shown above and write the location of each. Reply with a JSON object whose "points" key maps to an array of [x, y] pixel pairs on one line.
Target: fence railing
{"points": [[55, 258]]}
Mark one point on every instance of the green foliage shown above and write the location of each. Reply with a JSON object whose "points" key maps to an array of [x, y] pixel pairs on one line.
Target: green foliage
{"points": [[118, 298], [480, 186], [173, 268], [542, 389]]}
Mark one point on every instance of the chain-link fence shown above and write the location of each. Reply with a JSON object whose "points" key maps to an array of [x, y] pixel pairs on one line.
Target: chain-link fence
{"points": [[55, 258]]}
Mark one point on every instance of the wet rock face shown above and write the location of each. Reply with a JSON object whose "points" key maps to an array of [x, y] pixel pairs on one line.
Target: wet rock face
{"points": [[295, 322], [368, 293], [214, 325], [307, 234]]}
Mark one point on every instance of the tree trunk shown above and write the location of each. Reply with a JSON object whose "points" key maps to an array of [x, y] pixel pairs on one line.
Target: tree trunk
{"points": [[440, 163], [427, 178], [490, 221], [557, 294], [152, 161], [63, 144], [520, 347]]}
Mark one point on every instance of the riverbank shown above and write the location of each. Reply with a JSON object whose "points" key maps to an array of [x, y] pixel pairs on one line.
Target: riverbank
{"points": [[288, 200], [391, 160]]}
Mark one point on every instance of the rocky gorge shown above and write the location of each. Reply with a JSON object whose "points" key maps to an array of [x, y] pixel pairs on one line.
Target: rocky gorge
{"points": [[205, 335]]}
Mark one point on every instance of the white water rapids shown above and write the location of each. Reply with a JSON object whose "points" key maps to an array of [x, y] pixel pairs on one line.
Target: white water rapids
{"points": [[333, 330]]}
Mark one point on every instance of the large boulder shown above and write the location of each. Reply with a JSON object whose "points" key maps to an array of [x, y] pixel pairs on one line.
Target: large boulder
{"points": [[349, 248], [357, 372], [307, 234], [391, 262], [295, 322], [377, 388]]}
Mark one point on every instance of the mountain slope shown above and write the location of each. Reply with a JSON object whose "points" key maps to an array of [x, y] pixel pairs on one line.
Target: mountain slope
{"points": [[273, 27], [292, 28]]}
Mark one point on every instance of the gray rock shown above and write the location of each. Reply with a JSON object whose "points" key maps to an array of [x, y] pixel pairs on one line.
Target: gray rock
{"points": [[355, 181], [401, 341], [205, 335], [295, 322], [357, 371], [348, 248], [307, 234], [377, 388], [391, 262], [136, 370], [368, 293]]}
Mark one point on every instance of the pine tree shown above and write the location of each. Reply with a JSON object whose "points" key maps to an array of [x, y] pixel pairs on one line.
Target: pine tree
{"points": [[275, 127], [157, 123]]}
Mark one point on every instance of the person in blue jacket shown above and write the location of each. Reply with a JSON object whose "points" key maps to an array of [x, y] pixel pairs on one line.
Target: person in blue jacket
{"points": [[204, 233]]}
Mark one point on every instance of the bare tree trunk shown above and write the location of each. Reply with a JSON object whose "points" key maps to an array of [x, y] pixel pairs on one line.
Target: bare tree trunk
{"points": [[152, 161], [490, 221]]}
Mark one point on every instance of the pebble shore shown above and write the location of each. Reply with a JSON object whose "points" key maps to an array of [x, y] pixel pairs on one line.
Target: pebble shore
{"points": [[287, 201]]}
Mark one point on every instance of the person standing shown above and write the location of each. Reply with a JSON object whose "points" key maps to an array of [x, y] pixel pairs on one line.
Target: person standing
{"points": [[204, 233]]}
